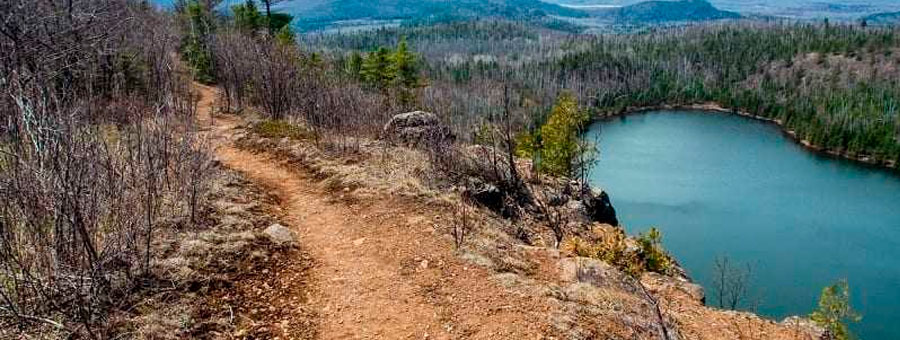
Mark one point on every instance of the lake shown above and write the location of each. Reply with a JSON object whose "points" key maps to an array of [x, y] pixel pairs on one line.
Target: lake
{"points": [[723, 185]]}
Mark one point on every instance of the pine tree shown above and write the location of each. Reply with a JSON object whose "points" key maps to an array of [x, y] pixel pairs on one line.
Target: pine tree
{"points": [[834, 311], [247, 17], [195, 45], [407, 73], [286, 36], [378, 69], [561, 145], [355, 65], [406, 65]]}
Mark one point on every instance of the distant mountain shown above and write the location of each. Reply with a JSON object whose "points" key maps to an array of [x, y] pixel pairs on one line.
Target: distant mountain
{"points": [[328, 11], [669, 11], [892, 18]]}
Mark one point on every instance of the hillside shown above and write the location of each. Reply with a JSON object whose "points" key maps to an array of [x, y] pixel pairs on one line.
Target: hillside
{"points": [[891, 18], [326, 12], [670, 11]]}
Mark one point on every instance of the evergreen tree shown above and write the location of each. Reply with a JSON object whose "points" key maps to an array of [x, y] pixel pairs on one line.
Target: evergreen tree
{"points": [[406, 64], [195, 45], [355, 65], [286, 36], [834, 311], [247, 17], [378, 69], [407, 73], [561, 145]]}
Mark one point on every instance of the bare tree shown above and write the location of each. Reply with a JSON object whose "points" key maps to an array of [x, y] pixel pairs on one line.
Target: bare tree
{"points": [[97, 139], [731, 282], [462, 224], [554, 215]]}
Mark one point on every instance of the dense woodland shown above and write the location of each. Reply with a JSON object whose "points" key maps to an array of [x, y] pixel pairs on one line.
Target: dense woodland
{"points": [[834, 85]]}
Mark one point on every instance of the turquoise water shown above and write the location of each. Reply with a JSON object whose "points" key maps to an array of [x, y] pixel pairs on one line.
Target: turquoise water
{"points": [[724, 185]]}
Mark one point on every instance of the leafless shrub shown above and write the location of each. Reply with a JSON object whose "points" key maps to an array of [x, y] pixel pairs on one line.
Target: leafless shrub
{"points": [[287, 83], [97, 145], [462, 225], [731, 282], [555, 216]]}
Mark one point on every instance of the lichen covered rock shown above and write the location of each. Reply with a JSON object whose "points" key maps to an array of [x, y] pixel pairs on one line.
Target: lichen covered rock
{"points": [[417, 128]]}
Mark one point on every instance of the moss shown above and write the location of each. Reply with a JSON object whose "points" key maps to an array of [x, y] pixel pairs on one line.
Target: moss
{"points": [[280, 129]]}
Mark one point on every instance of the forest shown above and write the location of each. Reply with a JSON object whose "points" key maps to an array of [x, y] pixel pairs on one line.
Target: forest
{"points": [[832, 85]]}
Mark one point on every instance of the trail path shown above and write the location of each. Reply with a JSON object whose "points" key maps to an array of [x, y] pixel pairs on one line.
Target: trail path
{"points": [[381, 270]]}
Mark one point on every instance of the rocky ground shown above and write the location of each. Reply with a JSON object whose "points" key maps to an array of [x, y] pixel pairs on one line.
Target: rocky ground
{"points": [[231, 276], [368, 246]]}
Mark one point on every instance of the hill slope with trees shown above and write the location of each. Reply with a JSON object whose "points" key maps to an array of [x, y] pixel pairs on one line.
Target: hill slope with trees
{"points": [[891, 18], [652, 12]]}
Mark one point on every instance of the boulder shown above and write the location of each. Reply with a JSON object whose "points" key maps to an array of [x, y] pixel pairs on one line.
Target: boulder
{"points": [[593, 205], [416, 129], [600, 209], [280, 235], [487, 195]]}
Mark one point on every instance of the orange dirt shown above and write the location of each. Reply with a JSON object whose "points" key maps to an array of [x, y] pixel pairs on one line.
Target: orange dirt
{"points": [[382, 269]]}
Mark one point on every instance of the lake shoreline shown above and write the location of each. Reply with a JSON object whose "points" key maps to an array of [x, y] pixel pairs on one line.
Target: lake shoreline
{"points": [[715, 107]]}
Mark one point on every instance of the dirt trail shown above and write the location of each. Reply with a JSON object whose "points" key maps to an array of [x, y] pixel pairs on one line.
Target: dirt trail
{"points": [[381, 269]]}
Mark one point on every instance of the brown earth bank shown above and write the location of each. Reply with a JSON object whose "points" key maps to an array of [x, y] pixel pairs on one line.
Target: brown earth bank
{"points": [[227, 277], [716, 107], [378, 260]]}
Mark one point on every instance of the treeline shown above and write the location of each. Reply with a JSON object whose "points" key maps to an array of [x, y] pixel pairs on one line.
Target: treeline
{"points": [[258, 64], [98, 155], [435, 11], [733, 66], [760, 68]]}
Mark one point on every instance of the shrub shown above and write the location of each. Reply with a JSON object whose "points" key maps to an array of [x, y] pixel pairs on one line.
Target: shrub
{"points": [[560, 142], [611, 246], [280, 129], [834, 311], [652, 252], [557, 147]]}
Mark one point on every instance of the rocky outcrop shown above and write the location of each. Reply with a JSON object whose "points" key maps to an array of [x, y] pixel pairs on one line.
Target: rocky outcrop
{"points": [[591, 204], [280, 235], [807, 326], [598, 207], [487, 195], [417, 128]]}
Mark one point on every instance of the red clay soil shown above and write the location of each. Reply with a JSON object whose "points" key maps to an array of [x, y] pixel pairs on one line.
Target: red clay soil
{"points": [[382, 269]]}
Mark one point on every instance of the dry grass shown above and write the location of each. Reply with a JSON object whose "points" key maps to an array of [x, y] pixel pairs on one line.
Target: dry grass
{"points": [[278, 129], [367, 168], [207, 278], [609, 305]]}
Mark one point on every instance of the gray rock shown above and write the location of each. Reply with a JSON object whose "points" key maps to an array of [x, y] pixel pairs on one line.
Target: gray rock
{"points": [[807, 325], [412, 119], [589, 204], [280, 235], [416, 128], [487, 195], [598, 206], [596, 273], [678, 284]]}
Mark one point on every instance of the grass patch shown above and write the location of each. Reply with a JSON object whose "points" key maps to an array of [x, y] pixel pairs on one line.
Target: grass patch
{"points": [[612, 246], [280, 129]]}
